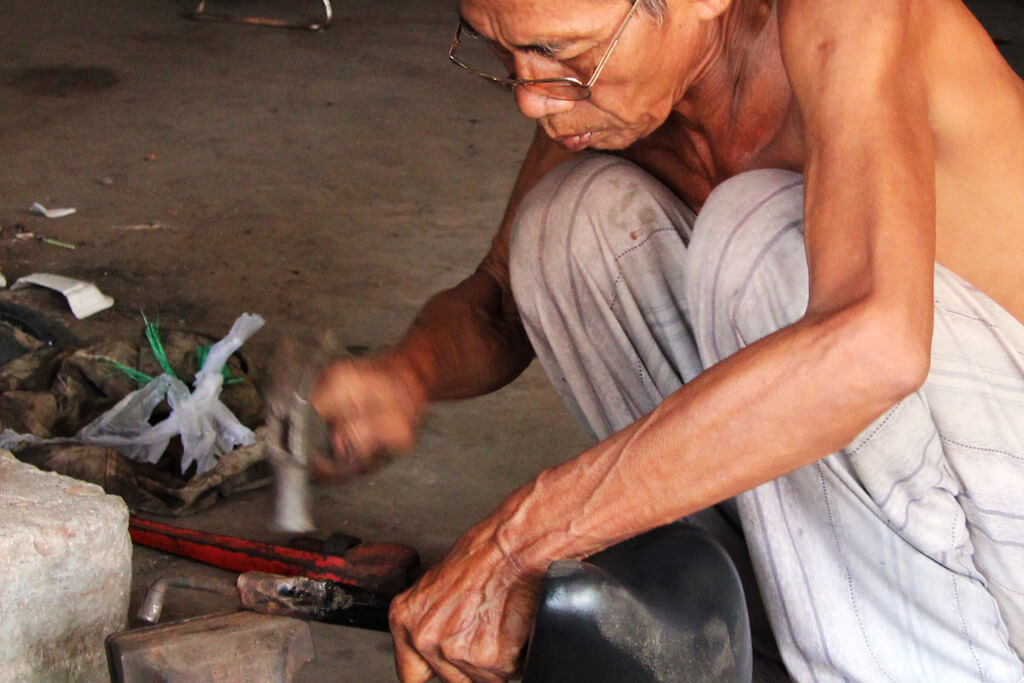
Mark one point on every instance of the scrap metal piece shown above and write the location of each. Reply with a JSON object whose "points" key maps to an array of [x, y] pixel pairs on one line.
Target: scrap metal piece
{"points": [[242, 646], [200, 12], [324, 601], [292, 596], [153, 604]]}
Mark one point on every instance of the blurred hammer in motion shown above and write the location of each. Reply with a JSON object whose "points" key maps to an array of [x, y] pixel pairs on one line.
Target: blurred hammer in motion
{"points": [[296, 433]]}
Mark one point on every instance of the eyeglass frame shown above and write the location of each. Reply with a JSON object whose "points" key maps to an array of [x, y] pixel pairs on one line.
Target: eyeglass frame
{"points": [[521, 82]]}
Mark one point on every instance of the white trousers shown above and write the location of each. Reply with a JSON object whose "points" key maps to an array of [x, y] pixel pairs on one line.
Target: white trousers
{"points": [[899, 558]]}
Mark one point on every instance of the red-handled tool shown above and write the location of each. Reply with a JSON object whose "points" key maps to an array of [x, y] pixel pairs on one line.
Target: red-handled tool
{"points": [[385, 568]]}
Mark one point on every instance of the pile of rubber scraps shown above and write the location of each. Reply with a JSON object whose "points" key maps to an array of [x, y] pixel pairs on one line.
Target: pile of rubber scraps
{"points": [[119, 415]]}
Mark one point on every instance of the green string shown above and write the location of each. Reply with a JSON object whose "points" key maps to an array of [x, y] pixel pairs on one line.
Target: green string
{"points": [[152, 331], [57, 243], [153, 336], [137, 376]]}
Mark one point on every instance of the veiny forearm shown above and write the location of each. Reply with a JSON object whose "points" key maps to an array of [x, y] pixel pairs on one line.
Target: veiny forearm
{"points": [[773, 407]]}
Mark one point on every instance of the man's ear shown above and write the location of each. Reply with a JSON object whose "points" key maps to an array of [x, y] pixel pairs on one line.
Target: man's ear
{"points": [[707, 10]]}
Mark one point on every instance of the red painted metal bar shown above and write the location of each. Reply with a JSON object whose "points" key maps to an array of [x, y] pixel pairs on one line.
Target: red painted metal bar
{"points": [[381, 567]]}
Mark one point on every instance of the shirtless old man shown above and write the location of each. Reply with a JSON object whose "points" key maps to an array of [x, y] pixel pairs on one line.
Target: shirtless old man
{"points": [[794, 284]]}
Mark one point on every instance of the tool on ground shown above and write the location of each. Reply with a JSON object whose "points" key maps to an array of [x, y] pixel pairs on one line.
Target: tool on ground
{"points": [[385, 568], [316, 600], [664, 607], [239, 646], [329, 602], [269, 641], [200, 12]]}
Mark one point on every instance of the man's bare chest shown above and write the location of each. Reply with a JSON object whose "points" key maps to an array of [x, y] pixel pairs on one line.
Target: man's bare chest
{"points": [[693, 160]]}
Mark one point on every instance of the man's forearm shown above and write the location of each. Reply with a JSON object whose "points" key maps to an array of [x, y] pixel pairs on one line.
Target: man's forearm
{"points": [[744, 421], [468, 340], [465, 341]]}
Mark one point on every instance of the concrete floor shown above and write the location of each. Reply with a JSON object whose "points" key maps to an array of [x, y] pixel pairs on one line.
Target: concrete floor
{"points": [[320, 179]]}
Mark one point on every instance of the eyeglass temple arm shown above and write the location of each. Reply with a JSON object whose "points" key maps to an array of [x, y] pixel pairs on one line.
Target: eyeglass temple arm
{"points": [[611, 47]]}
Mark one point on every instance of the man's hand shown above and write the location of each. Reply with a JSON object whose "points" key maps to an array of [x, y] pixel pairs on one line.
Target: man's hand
{"points": [[372, 407], [468, 618]]}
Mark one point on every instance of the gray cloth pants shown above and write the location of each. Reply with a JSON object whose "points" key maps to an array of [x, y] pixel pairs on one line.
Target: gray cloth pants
{"points": [[899, 558]]}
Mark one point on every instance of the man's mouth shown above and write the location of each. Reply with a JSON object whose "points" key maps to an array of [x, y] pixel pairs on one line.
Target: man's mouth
{"points": [[576, 143]]}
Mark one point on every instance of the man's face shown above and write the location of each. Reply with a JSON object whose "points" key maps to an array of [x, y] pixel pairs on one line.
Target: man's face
{"points": [[644, 77]]}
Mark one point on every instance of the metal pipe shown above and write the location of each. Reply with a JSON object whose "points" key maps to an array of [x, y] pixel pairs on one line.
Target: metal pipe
{"points": [[153, 604]]}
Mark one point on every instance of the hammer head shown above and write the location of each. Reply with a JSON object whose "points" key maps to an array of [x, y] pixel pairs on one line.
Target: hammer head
{"points": [[295, 431]]}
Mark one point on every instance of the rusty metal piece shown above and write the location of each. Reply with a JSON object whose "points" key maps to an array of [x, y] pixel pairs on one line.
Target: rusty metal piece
{"points": [[324, 601], [200, 12], [243, 646], [153, 604], [240, 646], [295, 595]]}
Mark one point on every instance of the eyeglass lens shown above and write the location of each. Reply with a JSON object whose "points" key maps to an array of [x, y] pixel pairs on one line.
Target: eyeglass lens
{"points": [[484, 55], [489, 58]]}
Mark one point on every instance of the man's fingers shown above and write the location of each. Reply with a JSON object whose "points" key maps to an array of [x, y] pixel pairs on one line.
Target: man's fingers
{"points": [[411, 667], [341, 460], [369, 412]]}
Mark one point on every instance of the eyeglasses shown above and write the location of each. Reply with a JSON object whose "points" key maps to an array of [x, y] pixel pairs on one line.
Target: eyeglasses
{"points": [[566, 88]]}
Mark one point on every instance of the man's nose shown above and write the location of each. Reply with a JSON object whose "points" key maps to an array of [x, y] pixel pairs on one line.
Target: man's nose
{"points": [[532, 101], [535, 104]]}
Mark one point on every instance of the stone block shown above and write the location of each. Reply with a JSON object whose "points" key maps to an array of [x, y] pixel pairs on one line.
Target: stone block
{"points": [[65, 559]]}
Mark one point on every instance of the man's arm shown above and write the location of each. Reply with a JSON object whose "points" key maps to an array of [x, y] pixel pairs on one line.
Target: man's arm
{"points": [[468, 340], [465, 341], [863, 345]]}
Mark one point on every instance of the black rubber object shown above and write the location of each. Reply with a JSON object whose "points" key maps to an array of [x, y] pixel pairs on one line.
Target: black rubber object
{"points": [[31, 323], [664, 606]]}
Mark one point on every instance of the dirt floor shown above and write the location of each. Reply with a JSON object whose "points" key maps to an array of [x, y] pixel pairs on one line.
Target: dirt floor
{"points": [[327, 179]]}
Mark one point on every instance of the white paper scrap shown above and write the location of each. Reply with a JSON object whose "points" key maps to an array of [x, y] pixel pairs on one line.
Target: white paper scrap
{"points": [[84, 298], [50, 213]]}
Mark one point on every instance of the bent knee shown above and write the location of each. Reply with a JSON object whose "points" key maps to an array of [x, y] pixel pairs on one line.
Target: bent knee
{"points": [[748, 266], [743, 211], [585, 213]]}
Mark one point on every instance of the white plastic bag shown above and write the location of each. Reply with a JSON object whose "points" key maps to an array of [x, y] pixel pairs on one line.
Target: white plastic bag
{"points": [[126, 427], [207, 427]]}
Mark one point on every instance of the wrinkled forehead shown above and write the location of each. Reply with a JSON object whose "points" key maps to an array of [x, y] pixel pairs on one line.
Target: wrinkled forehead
{"points": [[529, 21]]}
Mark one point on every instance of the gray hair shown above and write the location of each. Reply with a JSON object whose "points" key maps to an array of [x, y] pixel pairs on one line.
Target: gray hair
{"points": [[656, 8]]}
